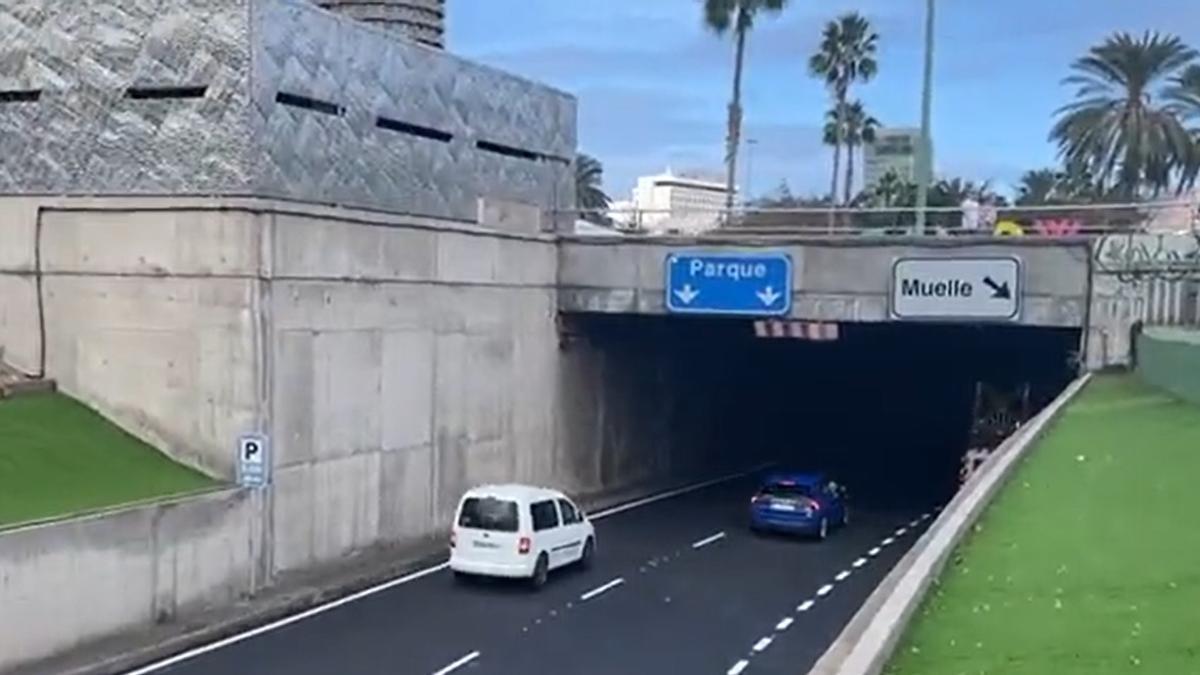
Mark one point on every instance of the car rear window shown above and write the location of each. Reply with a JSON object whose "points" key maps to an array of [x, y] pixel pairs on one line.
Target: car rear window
{"points": [[786, 491], [489, 513]]}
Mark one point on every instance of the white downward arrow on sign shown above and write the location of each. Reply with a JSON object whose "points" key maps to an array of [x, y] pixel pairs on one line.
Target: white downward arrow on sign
{"points": [[768, 296], [687, 294]]}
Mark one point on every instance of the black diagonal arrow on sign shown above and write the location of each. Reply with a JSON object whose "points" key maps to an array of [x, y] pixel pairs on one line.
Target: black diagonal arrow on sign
{"points": [[999, 291]]}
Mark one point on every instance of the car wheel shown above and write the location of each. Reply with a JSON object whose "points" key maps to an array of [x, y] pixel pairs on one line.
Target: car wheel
{"points": [[589, 552], [823, 529], [541, 572]]}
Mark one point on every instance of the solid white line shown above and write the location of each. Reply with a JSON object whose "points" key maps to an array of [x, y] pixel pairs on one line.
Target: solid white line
{"points": [[842, 576], [873, 552], [597, 591], [738, 667], [388, 585], [709, 540], [675, 493], [762, 644], [888, 542], [287, 621], [859, 563], [458, 664], [783, 625], [805, 606], [824, 590]]}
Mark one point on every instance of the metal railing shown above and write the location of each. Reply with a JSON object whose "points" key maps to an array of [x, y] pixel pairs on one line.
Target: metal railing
{"points": [[1076, 220]]}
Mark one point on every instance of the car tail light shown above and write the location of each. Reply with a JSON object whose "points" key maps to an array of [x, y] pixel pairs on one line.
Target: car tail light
{"points": [[816, 505], [523, 545], [453, 539]]}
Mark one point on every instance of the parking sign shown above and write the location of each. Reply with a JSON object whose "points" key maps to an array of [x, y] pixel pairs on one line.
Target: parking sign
{"points": [[254, 466]]}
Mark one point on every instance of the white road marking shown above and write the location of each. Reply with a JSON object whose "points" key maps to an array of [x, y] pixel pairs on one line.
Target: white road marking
{"points": [[738, 667], [888, 542], [709, 540], [784, 624], [287, 621], [859, 563], [606, 587], [399, 581], [873, 552], [901, 532], [925, 516], [914, 523], [842, 576], [805, 606], [762, 644], [824, 590], [458, 664]]}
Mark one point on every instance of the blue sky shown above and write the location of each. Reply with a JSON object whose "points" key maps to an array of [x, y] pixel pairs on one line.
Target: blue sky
{"points": [[653, 84]]}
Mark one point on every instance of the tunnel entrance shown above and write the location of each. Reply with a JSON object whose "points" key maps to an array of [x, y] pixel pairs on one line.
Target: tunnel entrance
{"points": [[890, 409]]}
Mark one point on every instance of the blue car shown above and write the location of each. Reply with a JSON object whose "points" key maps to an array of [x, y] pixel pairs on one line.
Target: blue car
{"points": [[801, 503]]}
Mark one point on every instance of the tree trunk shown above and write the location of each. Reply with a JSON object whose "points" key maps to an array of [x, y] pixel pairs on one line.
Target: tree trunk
{"points": [[837, 155], [849, 173], [733, 138]]}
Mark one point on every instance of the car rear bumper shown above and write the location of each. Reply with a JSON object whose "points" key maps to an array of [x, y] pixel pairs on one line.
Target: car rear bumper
{"points": [[492, 569], [786, 523]]}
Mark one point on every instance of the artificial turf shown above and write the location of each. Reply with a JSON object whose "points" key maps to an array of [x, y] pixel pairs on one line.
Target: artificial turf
{"points": [[58, 457], [1088, 562]]}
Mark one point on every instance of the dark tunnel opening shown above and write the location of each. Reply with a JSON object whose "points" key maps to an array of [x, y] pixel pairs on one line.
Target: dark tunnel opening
{"points": [[887, 408]]}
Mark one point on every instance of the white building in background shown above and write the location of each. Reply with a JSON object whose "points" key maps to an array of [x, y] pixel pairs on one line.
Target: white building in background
{"points": [[893, 150], [686, 203]]}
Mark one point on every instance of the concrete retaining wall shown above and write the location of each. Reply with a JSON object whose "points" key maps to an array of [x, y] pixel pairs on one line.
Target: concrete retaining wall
{"points": [[69, 582], [1169, 359]]}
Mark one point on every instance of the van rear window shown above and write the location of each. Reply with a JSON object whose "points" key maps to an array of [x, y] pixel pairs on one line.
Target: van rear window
{"points": [[488, 513]]}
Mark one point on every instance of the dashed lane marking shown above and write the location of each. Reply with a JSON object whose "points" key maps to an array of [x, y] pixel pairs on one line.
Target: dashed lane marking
{"points": [[888, 542], [458, 664], [901, 532], [842, 576], [874, 552], [824, 590], [763, 644], [805, 606], [738, 667], [859, 563], [601, 589], [709, 540], [784, 624]]}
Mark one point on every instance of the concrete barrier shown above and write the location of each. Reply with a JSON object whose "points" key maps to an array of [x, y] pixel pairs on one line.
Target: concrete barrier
{"points": [[70, 582], [1169, 358], [868, 641]]}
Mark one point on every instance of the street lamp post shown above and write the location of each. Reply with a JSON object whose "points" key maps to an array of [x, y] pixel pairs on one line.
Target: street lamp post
{"points": [[925, 152], [749, 193]]}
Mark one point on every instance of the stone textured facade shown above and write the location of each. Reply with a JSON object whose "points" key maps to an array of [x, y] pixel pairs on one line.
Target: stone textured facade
{"points": [[273, 98]]}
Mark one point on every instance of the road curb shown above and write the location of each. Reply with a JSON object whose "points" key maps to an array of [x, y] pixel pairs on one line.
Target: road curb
{"points": [[870, 638]]}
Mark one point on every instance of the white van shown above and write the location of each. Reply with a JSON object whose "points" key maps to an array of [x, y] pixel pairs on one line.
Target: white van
{"points": [[518, 531]]}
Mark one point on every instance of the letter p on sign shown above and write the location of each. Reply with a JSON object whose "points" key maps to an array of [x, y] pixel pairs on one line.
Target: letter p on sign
{"points": [[253, 467]]}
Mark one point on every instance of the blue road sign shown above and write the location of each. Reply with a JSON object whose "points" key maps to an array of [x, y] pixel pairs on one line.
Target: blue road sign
{"points": [[254, 464], [746, 284]]}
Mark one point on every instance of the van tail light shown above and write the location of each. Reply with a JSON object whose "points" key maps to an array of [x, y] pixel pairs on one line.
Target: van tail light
{"points": [[453, 539], [523, 545]]}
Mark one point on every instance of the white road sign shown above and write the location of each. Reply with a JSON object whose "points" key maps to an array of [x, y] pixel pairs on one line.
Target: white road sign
{"points": [[254, 465], [957, 288]]}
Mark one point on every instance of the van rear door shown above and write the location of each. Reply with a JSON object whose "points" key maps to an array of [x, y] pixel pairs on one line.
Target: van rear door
{"points": [[488, 529]]}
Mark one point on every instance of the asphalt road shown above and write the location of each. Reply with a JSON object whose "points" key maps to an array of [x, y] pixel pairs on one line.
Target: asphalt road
{"points": [[678, 585]]}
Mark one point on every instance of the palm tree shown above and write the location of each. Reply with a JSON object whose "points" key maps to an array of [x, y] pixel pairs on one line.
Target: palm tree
{"points": [[846, 55], [1039, 187], [1116, 128], [857, 128], [721, 16], [1185, 101], [589, 195]]}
